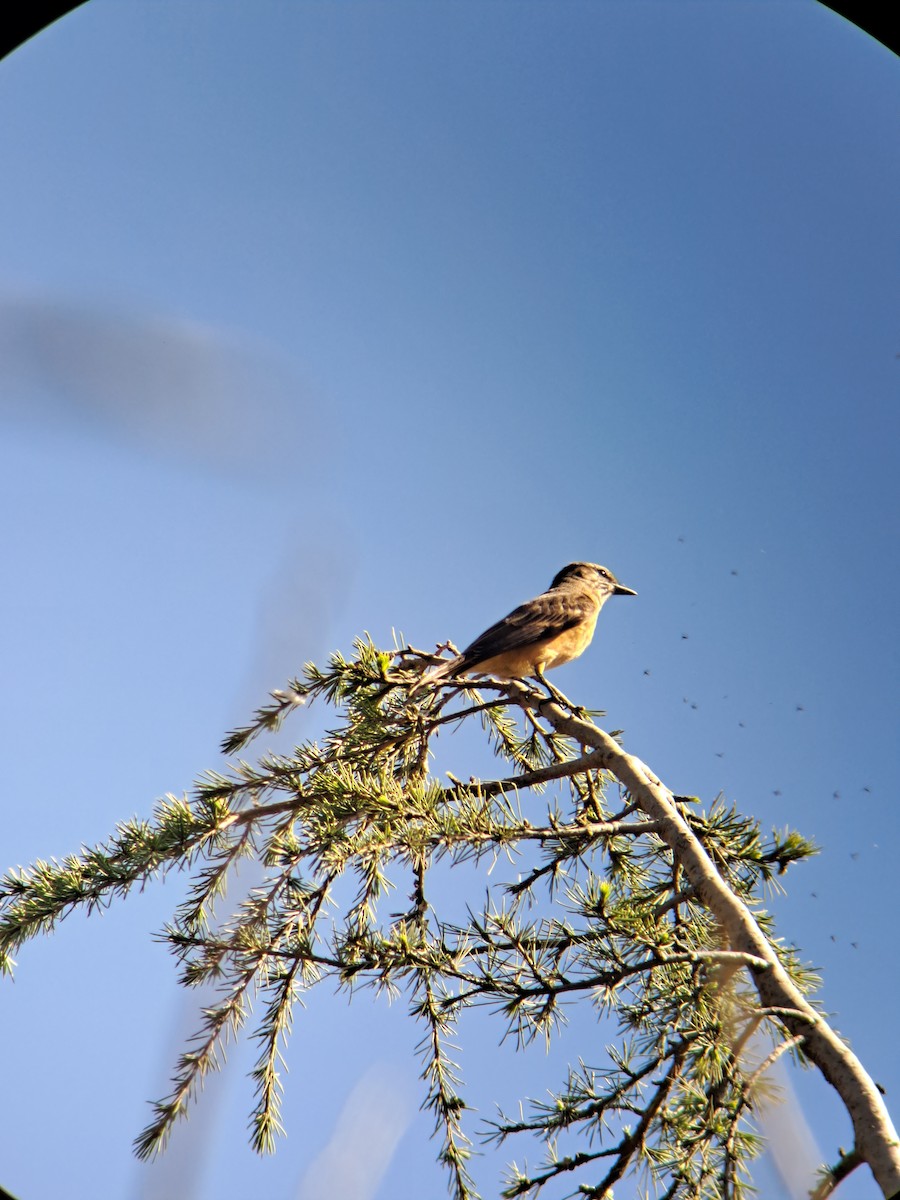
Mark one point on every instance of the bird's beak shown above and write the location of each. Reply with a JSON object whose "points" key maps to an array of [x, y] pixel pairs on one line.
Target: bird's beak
{"points": [[618, 590]]}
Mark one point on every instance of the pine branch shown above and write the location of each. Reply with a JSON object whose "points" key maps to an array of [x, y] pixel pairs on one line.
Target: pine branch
{"points": [[648, 907]]}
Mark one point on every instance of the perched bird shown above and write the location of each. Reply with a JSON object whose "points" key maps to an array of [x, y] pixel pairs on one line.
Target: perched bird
{"points": [[545, 632]]}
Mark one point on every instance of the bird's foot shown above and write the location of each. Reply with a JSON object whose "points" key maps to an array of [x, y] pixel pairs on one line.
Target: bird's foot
{"points": [[555, 693]]}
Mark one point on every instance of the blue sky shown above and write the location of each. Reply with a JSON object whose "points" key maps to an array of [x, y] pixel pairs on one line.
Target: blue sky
{"points": [[323, 318]]}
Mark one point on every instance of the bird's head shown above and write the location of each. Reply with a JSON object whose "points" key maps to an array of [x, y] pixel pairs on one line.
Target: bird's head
{"points": [[599, 579]]}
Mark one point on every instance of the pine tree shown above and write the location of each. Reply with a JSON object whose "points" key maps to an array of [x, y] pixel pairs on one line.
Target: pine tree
{"points": [[625, 897]]}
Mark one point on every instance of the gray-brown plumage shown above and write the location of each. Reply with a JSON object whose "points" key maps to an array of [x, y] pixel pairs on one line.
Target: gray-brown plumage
{"points": [[545, 632]]}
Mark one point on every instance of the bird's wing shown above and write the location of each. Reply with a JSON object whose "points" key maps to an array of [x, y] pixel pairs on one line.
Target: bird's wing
{"points": [[546, 616]]}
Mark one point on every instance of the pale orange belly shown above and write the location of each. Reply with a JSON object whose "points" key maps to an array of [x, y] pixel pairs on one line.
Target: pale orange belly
{"points": [[540, 656]]}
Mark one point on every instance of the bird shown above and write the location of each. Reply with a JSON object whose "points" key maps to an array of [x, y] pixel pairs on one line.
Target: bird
{"points": [[545, 632]]}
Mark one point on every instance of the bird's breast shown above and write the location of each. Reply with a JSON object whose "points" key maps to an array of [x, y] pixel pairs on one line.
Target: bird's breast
{"points": [[566, 646]]}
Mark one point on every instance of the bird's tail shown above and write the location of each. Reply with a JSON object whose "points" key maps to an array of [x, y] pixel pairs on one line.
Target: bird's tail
{"points": [[435, 676]]}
